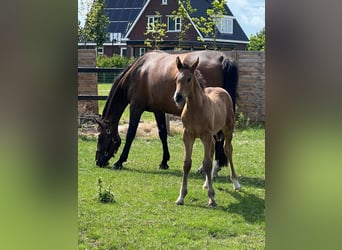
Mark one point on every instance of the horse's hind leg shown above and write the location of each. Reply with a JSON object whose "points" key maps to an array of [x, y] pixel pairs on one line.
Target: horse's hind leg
{"points": [[188, 144], [161, 122], [220, 157], [229, 151]]}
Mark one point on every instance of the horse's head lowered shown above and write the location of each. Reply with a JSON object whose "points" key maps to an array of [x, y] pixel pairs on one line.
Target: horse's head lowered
{"points": [[184, 81], [108, 143]]}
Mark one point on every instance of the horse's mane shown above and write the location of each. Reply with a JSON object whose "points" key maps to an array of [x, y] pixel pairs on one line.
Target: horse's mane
{"points": [[119, 82]]}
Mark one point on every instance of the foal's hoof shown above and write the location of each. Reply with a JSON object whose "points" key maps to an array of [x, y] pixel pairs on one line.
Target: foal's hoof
{"points": [[163, 166], [117, 166]]}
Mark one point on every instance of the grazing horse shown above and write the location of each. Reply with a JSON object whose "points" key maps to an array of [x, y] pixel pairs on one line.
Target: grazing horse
{"points": [[148, 84], [205, 113]]}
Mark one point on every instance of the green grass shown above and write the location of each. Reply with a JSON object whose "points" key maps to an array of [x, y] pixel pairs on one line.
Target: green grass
{"points": [[144, 215]]}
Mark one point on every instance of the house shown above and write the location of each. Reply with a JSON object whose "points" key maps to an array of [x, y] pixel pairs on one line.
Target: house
{"points": [[129, 19]]}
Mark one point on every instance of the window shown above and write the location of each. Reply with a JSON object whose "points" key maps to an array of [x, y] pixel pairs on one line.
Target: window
{"points": [[225, 25], [152, 21], [123, 51], [142, 51], [100, 50], [173, 23], [164, 2]]}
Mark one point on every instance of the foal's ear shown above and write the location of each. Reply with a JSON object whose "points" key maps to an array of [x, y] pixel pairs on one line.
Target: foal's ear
{"points": [[194, 66], [179, 63]]}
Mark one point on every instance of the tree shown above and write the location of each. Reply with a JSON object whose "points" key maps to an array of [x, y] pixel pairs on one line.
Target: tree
{"points": [[184, 10], [257, 42], [95, 28], [156, 31], [209, 25]]}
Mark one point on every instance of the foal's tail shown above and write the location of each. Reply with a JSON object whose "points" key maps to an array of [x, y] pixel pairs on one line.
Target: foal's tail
{"points": [[230, 82], [230, 78]]}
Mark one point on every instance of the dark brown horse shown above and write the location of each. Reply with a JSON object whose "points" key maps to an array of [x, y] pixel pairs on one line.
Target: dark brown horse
{"points": [[206, 112], [148, 84]]}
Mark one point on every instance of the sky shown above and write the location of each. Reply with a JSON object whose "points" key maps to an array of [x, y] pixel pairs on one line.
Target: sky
{"points": [[249, 13]]}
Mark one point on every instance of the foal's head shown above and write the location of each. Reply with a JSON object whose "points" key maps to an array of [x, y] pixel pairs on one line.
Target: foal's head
{"points": [[184, 81], [108, 143]]}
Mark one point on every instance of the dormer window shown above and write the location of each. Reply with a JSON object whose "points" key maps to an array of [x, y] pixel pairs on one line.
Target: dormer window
{"points": [[164, 2], [225, 24]]}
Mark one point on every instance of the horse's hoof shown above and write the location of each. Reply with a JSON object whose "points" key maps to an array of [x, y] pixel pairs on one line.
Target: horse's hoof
{"points": [[104, 165], [212, 203], [117, 166], [163, 166], [179, 203]]}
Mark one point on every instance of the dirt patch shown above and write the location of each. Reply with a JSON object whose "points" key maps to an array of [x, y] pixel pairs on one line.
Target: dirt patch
{"points": [[145, 129]]}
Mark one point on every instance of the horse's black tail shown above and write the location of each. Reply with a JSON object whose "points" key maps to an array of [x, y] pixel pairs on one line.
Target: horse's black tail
{"points": [[230, 78], [230, 82]]}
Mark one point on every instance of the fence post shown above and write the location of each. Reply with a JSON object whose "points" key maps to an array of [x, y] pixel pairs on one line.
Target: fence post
{"points": [[87, 82]]}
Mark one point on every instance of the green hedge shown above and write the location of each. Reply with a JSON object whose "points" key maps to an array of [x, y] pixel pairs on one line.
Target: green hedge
{"points": [[115, 61]]}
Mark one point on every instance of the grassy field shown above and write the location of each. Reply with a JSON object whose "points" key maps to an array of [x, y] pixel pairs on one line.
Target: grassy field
{"points": [[145, 216]]}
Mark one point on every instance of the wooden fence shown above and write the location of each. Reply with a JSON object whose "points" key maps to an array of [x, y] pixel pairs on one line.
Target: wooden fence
{"points": [[251, 86], [87, 82]]}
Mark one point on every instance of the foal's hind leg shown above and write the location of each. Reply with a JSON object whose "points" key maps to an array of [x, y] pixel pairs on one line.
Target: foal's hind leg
{"points": [[229, 151], [161, 122]]}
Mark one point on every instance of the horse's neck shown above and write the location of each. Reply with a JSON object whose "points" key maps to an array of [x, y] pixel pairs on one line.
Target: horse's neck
{"points": [[114, 109]]}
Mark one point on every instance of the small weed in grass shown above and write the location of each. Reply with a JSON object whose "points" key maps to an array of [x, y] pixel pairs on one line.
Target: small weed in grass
{"points": [[105, 194]]}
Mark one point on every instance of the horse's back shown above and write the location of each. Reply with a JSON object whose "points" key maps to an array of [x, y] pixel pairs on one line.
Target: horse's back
{"points": [[152, 78]]}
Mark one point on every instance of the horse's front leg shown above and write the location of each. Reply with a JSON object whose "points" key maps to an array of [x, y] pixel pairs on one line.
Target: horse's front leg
{"points": [[208, 143], [188, 144], [161, 122], [134, 119]]}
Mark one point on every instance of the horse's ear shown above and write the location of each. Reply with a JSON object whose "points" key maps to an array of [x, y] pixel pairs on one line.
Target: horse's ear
{"points": [[179, 63], [99, 122], [194, 66]]}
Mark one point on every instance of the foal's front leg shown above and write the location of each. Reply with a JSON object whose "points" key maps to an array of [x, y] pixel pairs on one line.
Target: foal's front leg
{"points": [[188, 144], [208, 143]]}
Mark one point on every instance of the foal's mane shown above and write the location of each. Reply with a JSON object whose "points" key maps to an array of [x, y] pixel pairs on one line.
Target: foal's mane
{"points": [[200, 78]]}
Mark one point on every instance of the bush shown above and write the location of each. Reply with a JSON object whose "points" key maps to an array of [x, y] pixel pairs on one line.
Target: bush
{"points": [[115, 61]]}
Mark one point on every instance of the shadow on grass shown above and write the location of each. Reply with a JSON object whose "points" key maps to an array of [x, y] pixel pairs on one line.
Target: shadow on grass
{"points": [[247, 205], [178, 172]]}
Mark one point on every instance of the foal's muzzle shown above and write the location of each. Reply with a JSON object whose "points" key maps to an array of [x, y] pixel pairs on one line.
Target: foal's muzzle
{"points": [[179, 99]]}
